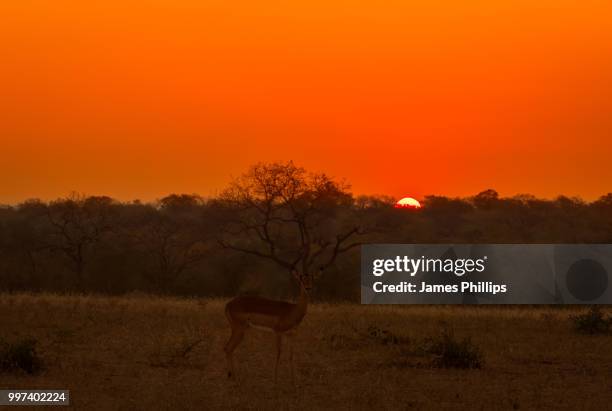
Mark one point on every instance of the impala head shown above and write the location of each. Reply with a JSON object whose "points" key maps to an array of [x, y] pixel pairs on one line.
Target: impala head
{"points": [[306, 280]]}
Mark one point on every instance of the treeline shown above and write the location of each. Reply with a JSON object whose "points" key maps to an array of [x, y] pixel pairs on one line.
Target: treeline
{"points": [[188, 245]]}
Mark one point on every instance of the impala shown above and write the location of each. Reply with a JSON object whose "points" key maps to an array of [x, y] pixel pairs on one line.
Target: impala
{"points": [[279, 317]]}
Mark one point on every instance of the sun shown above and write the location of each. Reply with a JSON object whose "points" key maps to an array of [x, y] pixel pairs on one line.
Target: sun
{"points": [[407, 202]]}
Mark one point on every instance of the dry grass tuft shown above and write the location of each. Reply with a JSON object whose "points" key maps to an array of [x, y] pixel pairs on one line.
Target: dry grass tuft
{"points": [[20, 356], [593, 321]]}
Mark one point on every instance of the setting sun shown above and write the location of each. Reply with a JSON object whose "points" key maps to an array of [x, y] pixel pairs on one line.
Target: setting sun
{"points": [[407, 202]]}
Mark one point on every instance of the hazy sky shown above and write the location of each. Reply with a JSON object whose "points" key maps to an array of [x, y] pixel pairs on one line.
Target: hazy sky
{"points": [[137, 99]]}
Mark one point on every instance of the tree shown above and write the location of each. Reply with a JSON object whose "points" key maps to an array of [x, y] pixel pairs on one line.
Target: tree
{"points": [[174, 236], [486, 199], [280, 212], [77, 223], [603, 202], [21, 239], [448, 216]]}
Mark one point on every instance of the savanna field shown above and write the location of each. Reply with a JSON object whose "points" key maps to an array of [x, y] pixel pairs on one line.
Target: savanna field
{"points": [[141, 352]]}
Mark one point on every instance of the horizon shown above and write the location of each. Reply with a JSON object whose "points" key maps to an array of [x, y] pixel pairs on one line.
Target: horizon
{"points": [[138, 100], [421, 199]]}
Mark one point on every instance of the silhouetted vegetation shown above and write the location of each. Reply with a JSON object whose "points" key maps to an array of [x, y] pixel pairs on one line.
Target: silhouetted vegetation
{"points": [[295, 219], [451, 352], [593, 321], [385, 337], [20, 355], [278, 215]]}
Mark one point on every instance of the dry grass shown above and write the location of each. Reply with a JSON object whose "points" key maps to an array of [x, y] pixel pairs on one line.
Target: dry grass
{"points": [[156, 353]]}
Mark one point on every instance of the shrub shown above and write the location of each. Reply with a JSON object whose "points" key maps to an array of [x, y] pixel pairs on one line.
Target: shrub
{"points": [[592, 322], [453, 353], [385, 337], [20, 355]]}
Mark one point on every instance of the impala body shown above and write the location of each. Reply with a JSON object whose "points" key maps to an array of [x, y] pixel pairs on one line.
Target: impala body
{"points": [[279, 317]]}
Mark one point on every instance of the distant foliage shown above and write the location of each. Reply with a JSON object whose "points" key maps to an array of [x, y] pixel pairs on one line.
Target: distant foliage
{"points": [[186, 245], [20, 355], [593, 321]]}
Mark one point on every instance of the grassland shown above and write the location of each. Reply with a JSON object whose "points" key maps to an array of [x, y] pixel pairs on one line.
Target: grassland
{"points": [[139, 352]]}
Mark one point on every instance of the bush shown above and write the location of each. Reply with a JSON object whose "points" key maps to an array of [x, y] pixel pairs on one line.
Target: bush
{"points": [[385, 337], [592, 322], [453, 353], [20, 355]]}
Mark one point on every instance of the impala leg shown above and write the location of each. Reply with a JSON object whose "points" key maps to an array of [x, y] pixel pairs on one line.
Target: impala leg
{"points": [[235, 339], [290, 341], [279, 343]]}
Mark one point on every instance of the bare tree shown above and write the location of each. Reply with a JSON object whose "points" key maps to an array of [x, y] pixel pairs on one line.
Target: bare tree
{"points": [[172, 235], [284, 214], [76, 224]]}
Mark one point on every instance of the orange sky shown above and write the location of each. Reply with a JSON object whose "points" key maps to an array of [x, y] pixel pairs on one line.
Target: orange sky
{"points": [[137, 99]]}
